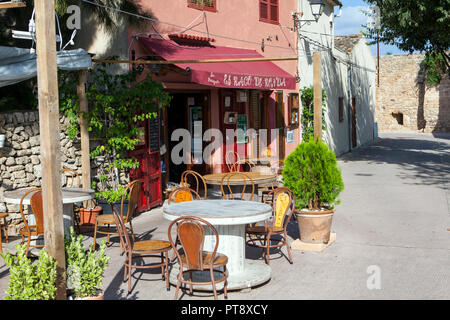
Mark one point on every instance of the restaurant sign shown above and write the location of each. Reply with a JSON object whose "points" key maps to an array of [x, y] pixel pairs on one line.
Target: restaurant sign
{"points": [[228, 80]]}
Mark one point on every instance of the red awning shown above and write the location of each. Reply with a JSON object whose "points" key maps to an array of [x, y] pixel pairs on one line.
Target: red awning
{"points": [[264, 75]]}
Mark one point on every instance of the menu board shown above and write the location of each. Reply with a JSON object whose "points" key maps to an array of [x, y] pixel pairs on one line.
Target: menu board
{"points": [[153, 124], [241, 128]]}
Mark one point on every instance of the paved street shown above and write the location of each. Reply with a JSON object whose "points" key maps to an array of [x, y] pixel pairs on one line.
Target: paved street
{"points": [[391, 233]]}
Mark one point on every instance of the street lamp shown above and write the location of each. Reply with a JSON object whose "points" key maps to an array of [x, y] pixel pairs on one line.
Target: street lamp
{"points": [[316, 8]]}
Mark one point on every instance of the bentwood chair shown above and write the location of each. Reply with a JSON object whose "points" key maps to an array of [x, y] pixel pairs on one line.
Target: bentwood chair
{"points": [[282, 201], [73, 176], [106, 221], [182, 194], [245, 180], [191, 232], [231, 157], [35, 230], [245, 165], [142, 249], [4, 228], [191, 176]]}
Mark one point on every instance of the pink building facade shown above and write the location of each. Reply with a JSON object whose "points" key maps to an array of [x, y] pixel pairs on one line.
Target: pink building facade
{"points": [[226, 95]]}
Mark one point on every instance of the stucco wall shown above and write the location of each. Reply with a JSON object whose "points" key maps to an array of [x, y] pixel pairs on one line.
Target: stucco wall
{"points": [[403, 96]]}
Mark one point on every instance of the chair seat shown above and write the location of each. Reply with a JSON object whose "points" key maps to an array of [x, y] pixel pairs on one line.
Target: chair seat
{"points": [[33, 231], [151, 245], [263, 229], [219, 260], [105, 218]]}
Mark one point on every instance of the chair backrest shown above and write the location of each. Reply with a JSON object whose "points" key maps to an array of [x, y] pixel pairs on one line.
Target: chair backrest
{"points": [[73, 176], [133, 190], [36, 208], [231, 157], [190, 176], [282, 201], [242, 164], [191, 234], [123, 233], [182, 194], [245, 178]]}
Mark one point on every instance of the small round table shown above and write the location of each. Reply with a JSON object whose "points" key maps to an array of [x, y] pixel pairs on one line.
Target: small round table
{"points": [[229, 217], [238, 180], [69, 197]]}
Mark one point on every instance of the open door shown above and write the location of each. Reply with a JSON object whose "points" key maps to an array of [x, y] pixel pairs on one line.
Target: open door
{"points": [[149, 170]]}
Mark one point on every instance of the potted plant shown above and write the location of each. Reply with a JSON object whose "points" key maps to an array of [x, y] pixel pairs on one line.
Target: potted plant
{"points": [[312, 173], [30, 281], [84, 268]]}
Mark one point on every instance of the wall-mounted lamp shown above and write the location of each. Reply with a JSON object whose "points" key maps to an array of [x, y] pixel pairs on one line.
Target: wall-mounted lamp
{"points": [[316, 8]]}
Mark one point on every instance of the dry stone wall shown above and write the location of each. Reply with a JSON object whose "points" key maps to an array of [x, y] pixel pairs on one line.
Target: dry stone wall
{"points": [[20, 164], [405, 102]]}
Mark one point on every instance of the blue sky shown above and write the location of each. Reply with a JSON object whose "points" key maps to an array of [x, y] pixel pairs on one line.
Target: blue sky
{"points": [[351, 20]]}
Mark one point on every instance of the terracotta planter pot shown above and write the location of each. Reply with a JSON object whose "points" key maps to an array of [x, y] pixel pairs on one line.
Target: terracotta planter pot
{"points": [[100, 296], [87, 216], [314, 226]]}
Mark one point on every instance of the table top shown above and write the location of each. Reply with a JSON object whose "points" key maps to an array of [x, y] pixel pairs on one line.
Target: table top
{"points": [[70, 195], [220, 212], [257, 177]]}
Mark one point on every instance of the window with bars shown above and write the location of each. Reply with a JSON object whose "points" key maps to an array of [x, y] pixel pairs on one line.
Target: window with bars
{"points": [[207, 5], [268, 11]]}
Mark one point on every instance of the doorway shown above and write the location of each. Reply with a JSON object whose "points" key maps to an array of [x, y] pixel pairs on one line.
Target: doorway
{"points": [[188, 111]]}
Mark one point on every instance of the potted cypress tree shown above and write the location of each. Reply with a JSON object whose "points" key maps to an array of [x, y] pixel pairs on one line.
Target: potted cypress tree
{"points": [[312, 173]]}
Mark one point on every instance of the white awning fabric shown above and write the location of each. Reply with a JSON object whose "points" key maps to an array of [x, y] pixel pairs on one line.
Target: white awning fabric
{"points": [[18, 64]]}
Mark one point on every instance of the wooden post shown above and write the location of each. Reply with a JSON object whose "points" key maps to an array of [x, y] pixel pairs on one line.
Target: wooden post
{"points": [[49, 136], [85, 158], [317, 97]]}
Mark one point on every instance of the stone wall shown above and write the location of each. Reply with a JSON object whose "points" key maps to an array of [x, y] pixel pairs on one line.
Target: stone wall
{"points": [[20, 164], [405, 102]]}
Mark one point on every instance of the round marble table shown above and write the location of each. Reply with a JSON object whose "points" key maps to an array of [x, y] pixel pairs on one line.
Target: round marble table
{"points": [[229, 217], [69, 197]]}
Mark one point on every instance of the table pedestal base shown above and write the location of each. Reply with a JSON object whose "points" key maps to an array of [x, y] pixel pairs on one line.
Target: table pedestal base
{"points": [[255, 273]]}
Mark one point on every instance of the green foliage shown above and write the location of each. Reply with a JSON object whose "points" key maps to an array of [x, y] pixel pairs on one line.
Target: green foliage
{"points": [[85, 268], [414, 25], [307, 117], [111, 196], [118, 103], [30, 281], [433, 64], [312, 173]]}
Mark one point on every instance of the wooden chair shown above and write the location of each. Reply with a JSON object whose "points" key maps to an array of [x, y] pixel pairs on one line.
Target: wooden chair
{"points": [[277, 168], [73, 175], [4, 227], [132, 190], [35, 230], [197, 177], [245, 180], [181, 194], [242, 164], [231, 162], [283, 203], [142, 249], [191, 232]]}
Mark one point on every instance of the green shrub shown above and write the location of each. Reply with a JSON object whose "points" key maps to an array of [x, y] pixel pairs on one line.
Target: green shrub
{"points": [[85, 268], [312, 173], [30, 281]]}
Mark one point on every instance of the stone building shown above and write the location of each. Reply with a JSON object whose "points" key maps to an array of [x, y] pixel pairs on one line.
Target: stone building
{"points": [[405, 102]]}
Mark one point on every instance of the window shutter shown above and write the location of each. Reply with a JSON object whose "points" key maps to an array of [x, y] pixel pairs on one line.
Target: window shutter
{"points": [[263, 9], [274, 10]]}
